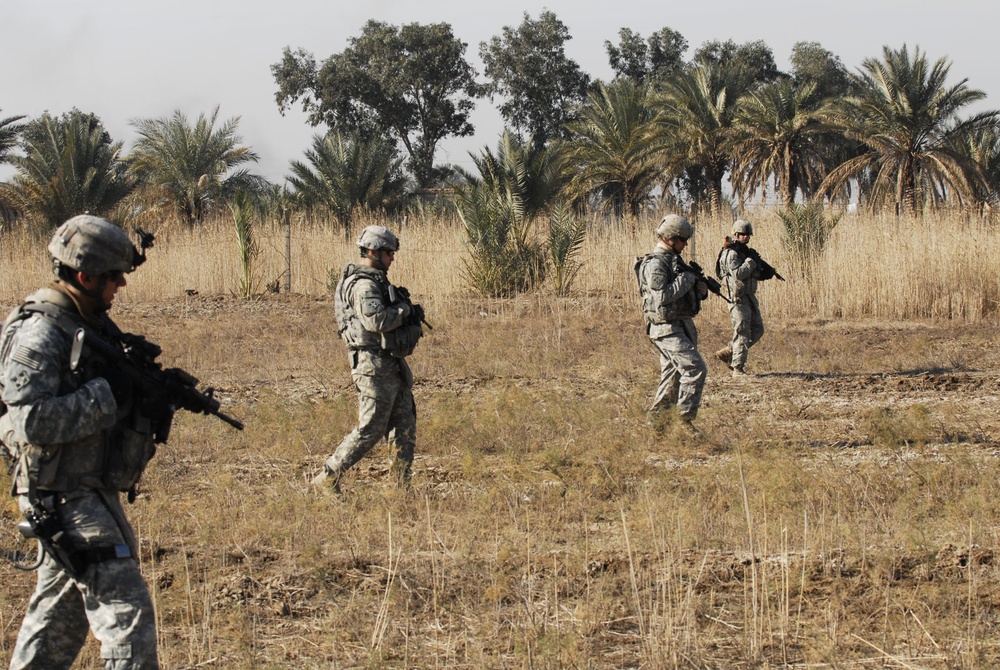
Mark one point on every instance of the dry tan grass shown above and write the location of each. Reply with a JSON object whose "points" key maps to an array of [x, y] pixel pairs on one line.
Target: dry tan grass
{"points": [[836, 511], [874, 267]]}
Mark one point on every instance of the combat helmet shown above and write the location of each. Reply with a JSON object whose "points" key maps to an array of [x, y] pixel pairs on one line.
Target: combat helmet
{"points": [[378, 237], [94, 246], [675, 225], [742, 227]]}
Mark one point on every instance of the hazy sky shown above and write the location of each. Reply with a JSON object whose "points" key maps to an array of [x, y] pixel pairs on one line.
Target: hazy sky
{"points": [[127, 59]]}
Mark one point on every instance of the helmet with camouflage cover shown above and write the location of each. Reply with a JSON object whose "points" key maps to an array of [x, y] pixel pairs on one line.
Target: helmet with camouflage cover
{"points": [[93, 245], [675, 225], [378, 237], [742, 227]]}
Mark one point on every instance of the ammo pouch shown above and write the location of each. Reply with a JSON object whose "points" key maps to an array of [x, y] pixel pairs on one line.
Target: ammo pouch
{"points": [[127, 454], [401, 342]]}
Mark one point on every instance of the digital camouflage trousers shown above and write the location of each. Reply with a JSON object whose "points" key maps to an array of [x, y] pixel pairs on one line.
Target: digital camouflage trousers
{"points": [[109, 598], [682, 372], [386, 409], [748, 328]]}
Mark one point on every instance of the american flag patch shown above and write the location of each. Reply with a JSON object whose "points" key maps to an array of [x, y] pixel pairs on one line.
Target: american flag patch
{"points": [[27, 358]]}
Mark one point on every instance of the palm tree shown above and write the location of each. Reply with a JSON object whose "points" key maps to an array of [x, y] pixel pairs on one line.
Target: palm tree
{"points": [[70, 166], [906, 118], [697, 108], [526, 172], [193, 168], [982, 147], [615, 148], [513, 187], [349, 173], [777, 135], [10, 132]]}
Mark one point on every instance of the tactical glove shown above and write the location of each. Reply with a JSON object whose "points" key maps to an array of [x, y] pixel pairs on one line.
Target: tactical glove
{"points": [[121, 386]]}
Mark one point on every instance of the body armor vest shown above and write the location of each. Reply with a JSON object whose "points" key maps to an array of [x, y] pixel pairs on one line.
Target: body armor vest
{"points": [[657, 310], [109, 459], [349, 326]]}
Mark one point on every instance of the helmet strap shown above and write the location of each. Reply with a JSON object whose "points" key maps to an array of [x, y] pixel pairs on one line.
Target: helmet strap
{"points": [[375, 259], [70, 276]]}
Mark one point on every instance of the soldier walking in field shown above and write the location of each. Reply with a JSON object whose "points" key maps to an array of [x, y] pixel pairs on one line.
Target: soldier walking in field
{"points": [[740, 268], [671, 297], [380, 327], [77, 441]]}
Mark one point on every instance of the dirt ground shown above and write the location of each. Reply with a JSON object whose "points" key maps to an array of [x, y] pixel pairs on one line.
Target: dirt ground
{"points": [[830, 406]]}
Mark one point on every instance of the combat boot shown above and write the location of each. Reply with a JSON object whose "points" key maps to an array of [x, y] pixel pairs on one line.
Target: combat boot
{"points": [[739, 372], [687, 428], [725, 354], [326, 481]]}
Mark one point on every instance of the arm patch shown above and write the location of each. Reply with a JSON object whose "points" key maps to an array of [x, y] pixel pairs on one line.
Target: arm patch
{"points": [[27, 358]]}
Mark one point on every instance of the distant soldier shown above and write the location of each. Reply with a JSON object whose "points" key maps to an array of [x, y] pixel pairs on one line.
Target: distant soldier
{"points": [[740, 269], [77, 442], [380, 327], [671, 297]]}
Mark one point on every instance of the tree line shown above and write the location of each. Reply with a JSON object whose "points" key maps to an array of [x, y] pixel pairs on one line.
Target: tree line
{"points": [[663, 131]]}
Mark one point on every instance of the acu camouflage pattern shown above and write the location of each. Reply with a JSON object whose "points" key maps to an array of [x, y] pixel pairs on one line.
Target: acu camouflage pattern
{"points": [[55, 425], [381, 375], [110, 598], [669, 303], [59, 428], [741, 275]]}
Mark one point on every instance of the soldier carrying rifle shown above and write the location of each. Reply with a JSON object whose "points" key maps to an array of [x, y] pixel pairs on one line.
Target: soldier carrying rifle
{"points": [[741, 267], [671, 293], [380, 326], [83, 407]]}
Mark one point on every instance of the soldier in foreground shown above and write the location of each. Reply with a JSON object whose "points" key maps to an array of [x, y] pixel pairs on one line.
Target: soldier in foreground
{"points": [[671, 296], [77, 442], [380, 327], [740, 268]]}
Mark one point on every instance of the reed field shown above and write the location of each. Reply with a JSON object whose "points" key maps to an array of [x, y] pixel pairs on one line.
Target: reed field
{"points": [[836, 510]]}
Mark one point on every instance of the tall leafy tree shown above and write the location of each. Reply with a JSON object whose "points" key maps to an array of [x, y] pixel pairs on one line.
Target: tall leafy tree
{"points": [[659, 56], [540, 85], [346, 173], [615, 149], [777, 135], [411, 83], [697, 109], [193, 167], [811, 63], [70, 166], [755, 59], [906, 117]]}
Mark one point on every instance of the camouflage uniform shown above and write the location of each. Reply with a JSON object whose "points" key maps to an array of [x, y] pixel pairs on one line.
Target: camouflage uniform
{"points": [[378, 338], [669, 303], [740, 274], [61, 429]]}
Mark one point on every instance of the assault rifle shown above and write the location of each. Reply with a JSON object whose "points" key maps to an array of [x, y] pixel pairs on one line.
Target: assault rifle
{"points": [[767, 270], [402, 294], [160, 392], [711, 282]]}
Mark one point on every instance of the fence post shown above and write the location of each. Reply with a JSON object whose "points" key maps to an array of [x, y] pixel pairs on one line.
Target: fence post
{"points": [[288, 250]]}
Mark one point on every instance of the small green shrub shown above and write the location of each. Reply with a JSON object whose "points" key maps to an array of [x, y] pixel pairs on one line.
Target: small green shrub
{"points": [[806, 231], [566, 236], [244, 211]]}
